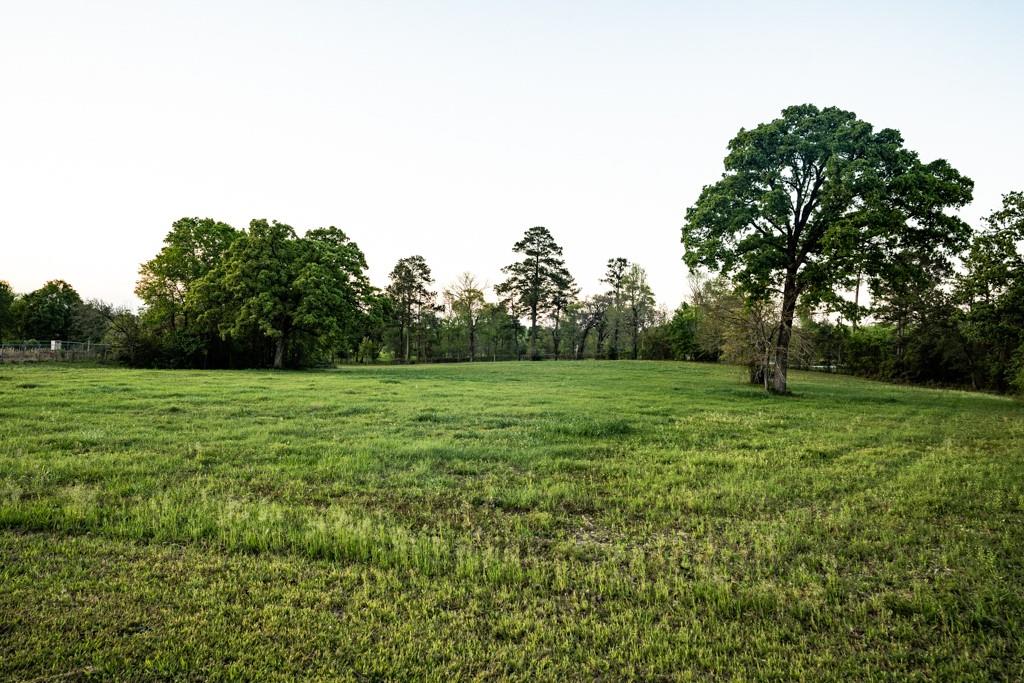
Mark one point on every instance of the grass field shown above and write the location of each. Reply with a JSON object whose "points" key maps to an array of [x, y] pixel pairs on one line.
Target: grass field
{"points": [[533, 520]]}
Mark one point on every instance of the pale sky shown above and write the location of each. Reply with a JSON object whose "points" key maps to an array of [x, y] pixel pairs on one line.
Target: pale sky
{"points": [[448, 128]]}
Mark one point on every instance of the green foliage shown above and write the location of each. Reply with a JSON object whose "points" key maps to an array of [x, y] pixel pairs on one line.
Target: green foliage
{"points": [[54, 311], [7, 319], [129, 340], [927, 324], [499, 332], [869, 351], [1017, 371], [615, 273], [91, 320], [505, 520], [682, 334], [192, 248], [413, 301], [333, 288], [539, 283], [992, 291], [218, 296], [466, 302], [813, 199], [48, 312], [377, 320], [563, 296], [627, 310], [254, 286], [289, 290], [656, 343], [178, 327], [636, 299]]}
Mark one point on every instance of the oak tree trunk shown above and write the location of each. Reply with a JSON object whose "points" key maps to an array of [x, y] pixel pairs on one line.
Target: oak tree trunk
{"points": [[785, 334]]}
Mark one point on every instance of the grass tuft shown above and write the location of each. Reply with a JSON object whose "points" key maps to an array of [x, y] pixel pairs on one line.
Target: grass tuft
{"points": [[590, 428]]}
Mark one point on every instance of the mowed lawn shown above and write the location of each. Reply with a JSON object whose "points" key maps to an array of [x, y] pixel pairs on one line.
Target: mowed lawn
{"points": [[585, 521]]}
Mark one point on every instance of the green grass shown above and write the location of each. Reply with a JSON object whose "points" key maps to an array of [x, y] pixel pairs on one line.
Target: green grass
{"points": [[536, 521]]}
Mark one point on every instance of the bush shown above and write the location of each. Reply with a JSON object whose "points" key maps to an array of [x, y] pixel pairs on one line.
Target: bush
{"points": [[1017, 371], [870, 351]]}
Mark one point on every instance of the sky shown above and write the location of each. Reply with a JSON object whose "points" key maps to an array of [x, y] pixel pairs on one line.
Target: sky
{"points": [[447, 129]]}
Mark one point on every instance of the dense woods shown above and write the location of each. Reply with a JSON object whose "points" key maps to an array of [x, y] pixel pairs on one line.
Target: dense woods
{"points": [[825, 244]]}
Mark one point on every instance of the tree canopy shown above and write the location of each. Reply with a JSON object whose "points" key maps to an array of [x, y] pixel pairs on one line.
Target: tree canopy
{"points": [[992, 290], [48, 312], [614, 275], [466, 301], [286, 289], [409, 287], [192, 248], [6, 315], [539, 282], [814, 198], [637, 301]]}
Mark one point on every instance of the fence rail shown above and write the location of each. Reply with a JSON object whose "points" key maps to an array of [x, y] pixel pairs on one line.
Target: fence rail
{"points": [[32, 351]]}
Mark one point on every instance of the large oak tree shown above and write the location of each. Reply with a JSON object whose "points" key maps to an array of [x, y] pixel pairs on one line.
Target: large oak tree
{"points": [[283, 288], [815, 198]]}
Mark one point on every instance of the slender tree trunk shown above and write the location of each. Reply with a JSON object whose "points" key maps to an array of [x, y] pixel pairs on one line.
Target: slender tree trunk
{"points": [[515, 339], [279, 352], [582, 345], [613, 351], [556, 337], [533, 333], [636, 336], [789, 296], [856, 301]]}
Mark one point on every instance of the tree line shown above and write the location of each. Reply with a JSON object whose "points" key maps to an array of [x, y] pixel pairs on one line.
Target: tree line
{"points": [[825, 244], [54, 311], [219, 297]]}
